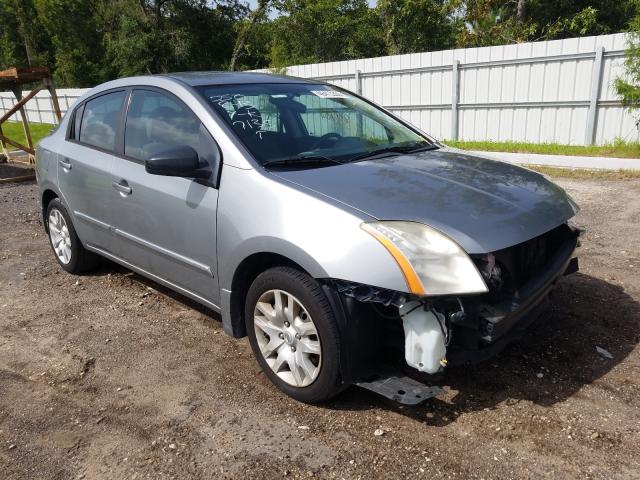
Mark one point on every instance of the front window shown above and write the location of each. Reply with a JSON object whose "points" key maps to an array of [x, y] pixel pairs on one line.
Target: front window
{"points": [[158, 122], [296, 122]]}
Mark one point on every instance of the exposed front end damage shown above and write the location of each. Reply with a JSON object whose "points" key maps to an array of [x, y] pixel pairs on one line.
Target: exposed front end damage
{"points": [[389, 332]]}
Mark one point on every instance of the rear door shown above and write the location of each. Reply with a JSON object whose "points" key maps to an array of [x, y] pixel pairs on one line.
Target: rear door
{"points": [[84, 166], [166, 225]]}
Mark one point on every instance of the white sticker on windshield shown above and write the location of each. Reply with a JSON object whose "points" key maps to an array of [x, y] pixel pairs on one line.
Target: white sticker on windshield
{"points": [[328, 94]]}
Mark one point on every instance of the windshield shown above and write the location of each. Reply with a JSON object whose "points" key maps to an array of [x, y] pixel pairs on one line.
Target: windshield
{"points": [[294, 123]]}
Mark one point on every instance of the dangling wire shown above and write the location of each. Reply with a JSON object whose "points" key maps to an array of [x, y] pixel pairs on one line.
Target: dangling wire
{"points": [[413, 309], [446, 331]]}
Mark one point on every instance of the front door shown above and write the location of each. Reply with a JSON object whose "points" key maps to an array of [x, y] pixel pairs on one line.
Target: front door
{"points": [[166, 225]]}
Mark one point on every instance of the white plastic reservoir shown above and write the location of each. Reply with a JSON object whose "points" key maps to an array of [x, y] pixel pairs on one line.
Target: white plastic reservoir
{"points": [[424, 340]]}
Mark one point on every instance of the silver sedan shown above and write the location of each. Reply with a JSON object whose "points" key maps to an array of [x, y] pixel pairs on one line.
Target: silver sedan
{"points": [[348, 245]]}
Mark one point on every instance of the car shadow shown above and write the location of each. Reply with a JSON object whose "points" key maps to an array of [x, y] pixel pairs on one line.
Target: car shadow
{"points": [[555, 358], [108, 267]]}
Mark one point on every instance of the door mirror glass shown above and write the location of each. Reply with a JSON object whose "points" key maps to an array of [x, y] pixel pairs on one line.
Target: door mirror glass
{"points": [[178, 161]]}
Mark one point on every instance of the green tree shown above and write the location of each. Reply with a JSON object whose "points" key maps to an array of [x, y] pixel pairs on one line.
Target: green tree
{"points": [[245, 28], [155, 36], [130, 42], [310, 31], [628, 87], [492, 22], [256, 48], [570, 18], [496, 22], [85, 42], [74, 28], [22, 39], [417, 25], [12, 52], [199, 34]]}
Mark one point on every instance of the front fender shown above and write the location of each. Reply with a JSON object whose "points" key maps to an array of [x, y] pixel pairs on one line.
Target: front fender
{"points": [[322, 237]]}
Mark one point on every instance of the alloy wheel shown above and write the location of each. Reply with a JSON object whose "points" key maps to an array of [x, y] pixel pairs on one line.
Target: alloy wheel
{"points": [[287, 338], [59, 234]]}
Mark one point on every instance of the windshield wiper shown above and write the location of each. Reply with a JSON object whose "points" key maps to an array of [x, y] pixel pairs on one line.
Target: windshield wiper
{"points": [[414, 147], [301, 160]]}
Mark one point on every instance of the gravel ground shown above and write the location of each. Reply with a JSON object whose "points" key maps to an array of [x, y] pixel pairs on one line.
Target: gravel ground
{"points": [[110, 376]]}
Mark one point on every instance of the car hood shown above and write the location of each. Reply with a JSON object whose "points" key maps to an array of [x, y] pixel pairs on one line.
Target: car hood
{"points": [[482, 204]]}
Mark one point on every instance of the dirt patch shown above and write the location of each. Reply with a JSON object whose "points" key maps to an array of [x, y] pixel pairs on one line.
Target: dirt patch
{"points": [[111, 376]]}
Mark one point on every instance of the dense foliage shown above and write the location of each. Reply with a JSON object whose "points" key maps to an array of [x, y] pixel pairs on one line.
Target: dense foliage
{"points": [[629, 86], [88, 41]]}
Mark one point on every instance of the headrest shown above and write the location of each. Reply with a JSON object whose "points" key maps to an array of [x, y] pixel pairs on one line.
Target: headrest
{"points": [[288, 104]]}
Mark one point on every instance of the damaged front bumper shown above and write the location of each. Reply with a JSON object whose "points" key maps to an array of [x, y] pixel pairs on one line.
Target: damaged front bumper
{"points": [[486, 328], [474, 328]]}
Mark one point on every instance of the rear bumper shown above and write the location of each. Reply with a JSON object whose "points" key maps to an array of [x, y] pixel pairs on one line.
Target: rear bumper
{"points": [[488, 329]]}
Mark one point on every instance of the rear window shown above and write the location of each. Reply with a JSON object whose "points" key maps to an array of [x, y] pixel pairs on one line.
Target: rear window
{"points": [[100, 120]]}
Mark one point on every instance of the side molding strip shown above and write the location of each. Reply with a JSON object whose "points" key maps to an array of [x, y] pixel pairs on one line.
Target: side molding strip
{"points": [[152, 246], [164, 251], [88, 219]]}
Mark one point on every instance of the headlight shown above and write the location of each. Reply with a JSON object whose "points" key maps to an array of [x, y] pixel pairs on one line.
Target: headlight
{"points": [[431, 262]]}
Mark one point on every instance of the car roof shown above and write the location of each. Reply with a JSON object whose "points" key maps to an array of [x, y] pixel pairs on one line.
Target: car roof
{"points": [[195, 79]]}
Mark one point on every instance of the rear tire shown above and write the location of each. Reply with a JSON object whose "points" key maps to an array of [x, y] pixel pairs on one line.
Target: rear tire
{"points": [[294, 334], [64, 241]]}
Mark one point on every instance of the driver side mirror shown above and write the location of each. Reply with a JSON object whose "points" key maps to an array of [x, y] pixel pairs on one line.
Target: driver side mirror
{"points": [[179, 161]]}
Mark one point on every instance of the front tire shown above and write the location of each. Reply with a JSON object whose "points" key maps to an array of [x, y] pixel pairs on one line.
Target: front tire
{"points": [[294, 334], [64, 241]]}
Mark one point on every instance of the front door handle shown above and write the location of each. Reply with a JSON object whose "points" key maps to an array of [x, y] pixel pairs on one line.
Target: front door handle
{"points": [[64, 164], [122, 187]]}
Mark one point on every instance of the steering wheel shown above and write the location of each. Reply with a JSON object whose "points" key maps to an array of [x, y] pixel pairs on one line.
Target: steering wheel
{"points": [[324, 138]]}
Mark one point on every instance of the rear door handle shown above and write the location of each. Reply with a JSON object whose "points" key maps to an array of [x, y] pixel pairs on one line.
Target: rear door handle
{"points": [[122, 187], [64, 164]]}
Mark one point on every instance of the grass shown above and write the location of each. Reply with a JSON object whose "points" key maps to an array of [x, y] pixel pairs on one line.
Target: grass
{"points": [[617, 149], [14, 131], [585, 173]]}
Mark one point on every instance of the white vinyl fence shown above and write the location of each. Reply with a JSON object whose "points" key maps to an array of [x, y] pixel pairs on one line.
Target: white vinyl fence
{"points": [[40, 109], [557, 91]]}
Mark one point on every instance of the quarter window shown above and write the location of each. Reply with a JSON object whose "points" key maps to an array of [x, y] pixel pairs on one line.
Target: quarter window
{"points": [[158, 122], [100, 120]]}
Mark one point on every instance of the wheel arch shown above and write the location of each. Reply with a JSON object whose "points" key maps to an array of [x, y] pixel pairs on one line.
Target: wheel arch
{"points": [[48, 194], [244, 275]]}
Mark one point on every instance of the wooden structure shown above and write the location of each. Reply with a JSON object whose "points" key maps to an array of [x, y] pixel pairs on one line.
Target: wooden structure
{"points": [[14, 79]]}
